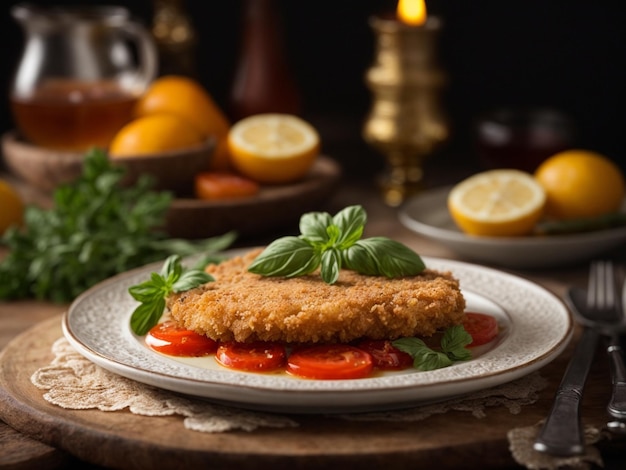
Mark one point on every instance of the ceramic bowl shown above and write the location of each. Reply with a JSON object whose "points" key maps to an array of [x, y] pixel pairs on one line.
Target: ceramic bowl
{"points": [[46, 169]]}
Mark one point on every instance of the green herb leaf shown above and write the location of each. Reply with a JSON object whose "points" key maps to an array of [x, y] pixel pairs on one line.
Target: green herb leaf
{"points": [[152, 294], [287, 256], [454, 341], [424, 358], [351, 223], [333, 242], [96, 229], [146, 315], [453, 349], [381, 256], [331, 265], [313, 227], [190, 279], [431, 360]]}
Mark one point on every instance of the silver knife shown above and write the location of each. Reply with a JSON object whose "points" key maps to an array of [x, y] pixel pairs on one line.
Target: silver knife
{"points": [[562, 434]]}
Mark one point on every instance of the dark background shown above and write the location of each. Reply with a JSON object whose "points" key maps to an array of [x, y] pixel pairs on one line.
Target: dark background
{"points": [[565, 54]]}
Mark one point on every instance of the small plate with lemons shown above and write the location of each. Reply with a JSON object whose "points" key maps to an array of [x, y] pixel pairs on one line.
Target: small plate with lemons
{"points": [[571, 209]]}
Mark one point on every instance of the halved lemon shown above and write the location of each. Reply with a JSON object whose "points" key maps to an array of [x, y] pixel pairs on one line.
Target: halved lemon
{"points": [[273, 148], [497, 203]]}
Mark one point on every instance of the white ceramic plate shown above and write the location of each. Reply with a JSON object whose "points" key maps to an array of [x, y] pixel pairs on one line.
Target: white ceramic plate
{"points": [[427, 215], [535, 327]]}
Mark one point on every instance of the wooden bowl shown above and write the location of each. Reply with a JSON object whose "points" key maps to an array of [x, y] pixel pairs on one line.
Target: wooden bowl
{"points": [[275, 208], [46, 169], [173, 170]]}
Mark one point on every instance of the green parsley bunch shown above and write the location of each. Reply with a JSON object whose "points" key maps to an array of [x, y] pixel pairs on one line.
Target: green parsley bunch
{"points": [[96, 228]]}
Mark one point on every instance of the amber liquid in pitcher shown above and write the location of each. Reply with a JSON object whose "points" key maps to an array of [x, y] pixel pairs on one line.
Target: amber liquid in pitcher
{"points": [[72, 115]]}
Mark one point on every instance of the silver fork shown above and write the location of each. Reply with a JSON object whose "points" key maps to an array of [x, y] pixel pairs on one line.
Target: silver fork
{"points": [[561, 433], [617, 403], [612, 306]]}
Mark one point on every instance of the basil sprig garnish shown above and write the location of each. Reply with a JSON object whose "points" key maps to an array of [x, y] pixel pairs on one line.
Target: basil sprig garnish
{"points": [[453, 349], [153, 293], [332, 243]]}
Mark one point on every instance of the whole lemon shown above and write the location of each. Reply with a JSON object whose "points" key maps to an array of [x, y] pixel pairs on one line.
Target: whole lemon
{"points": [[154, 134], [188, 99], [580, 184], [11, 207]]}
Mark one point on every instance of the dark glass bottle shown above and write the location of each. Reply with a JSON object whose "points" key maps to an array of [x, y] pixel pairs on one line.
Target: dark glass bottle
{"points": [[263, 82]]}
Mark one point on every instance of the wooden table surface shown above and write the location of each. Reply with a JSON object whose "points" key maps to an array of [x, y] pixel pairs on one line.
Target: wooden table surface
{"points": [[438, 442]]}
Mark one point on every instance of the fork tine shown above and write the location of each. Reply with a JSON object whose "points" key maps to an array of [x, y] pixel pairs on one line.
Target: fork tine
{"points": [[601, 290]]}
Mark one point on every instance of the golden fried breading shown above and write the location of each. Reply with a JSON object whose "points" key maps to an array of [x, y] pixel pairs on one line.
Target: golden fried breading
{"points": [[244, 307]]}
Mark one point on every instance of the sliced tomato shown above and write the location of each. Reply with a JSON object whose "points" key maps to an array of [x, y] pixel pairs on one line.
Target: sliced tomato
{"points": [[330, 361], [221, 185], [483, 328], [169, 338], [385, 355], [258, 356]]}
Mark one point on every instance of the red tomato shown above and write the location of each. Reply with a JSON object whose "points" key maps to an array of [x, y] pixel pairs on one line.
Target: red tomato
{"points": [[482, 328], [385, 356], [330, 361], [215, 185], [259, 356], [169, 338]]}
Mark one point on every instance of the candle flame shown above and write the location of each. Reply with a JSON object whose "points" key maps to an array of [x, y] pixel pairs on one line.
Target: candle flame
{"points": [[412, 12]]}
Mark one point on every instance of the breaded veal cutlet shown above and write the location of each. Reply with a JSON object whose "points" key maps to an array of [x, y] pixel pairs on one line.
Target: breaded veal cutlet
{"points": [[245, 307]]}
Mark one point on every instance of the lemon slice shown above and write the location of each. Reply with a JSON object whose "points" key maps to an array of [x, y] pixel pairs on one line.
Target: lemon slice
{"points": [[497, 203], [273, 148]]}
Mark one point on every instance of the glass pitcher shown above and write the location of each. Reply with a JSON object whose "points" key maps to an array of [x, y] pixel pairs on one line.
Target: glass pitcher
{"points": [[81, 72]]}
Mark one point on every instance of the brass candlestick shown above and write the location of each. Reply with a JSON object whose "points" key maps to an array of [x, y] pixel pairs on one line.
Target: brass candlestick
{"points": [[406, 122]]}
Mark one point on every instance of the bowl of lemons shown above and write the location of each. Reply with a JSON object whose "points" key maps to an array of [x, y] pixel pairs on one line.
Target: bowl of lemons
{"points": [[570, 209]]}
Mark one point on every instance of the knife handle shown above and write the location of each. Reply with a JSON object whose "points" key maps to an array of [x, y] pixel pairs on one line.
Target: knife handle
{"points": [[617, 404], [561, 434]]}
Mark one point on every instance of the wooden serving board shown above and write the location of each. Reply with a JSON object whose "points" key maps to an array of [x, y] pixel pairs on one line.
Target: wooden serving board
{"points": [[124, 440]]}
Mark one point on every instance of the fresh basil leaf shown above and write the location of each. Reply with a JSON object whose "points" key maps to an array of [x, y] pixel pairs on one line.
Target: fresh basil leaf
{"points": [[172, 267], [391, 258], [191, 279], [431, 360], [331, 265], [145, 292], [454, 342], [351, 222], [287, 256], [146, 315], [334, 233], [358, 258], [313, 227], [424, 358], [409, 345]]}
